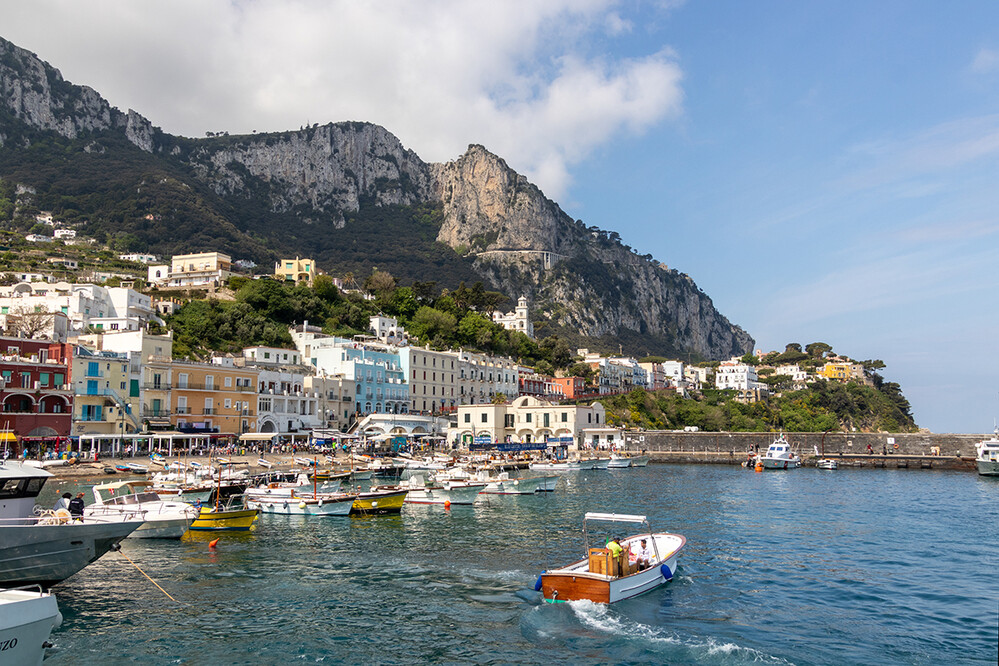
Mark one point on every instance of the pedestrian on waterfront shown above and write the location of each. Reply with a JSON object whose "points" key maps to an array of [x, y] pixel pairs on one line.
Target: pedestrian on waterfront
{"points": [[870, 450], [63, 502], [884, 449], [76, 507]]}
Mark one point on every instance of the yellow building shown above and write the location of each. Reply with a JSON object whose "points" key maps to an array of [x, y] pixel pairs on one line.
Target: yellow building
{"points": [[841, 371], [106, 402], [188, 270], [205, 396], [295, 270]]}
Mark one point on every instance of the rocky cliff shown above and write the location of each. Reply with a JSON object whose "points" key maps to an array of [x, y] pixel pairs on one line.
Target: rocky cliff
{"points": [[581, 280]]}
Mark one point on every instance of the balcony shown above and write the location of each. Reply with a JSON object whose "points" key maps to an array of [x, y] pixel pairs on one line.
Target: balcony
{"points": [[153, 386]]}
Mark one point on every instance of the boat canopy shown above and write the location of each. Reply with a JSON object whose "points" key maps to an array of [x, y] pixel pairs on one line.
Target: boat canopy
{"points": [[615, 517]]}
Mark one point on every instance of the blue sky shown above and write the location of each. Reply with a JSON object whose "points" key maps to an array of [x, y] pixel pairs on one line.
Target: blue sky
{"points": [[824, 171]]}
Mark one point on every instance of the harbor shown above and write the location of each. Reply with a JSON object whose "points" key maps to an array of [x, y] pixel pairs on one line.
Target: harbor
{"points": [[780, 567]]}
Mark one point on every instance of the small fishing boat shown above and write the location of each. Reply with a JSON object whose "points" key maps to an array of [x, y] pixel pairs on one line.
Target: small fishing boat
{"points": [[601, 578], [27, 617], [447, 492], [232, 516], [318, 504], [122, 468], [987, 458], [779, 455], [381, 500], [564, 466], [136, 468], [503, 484], [827, 463], [265, 463], [640, 461], [618, 461]]}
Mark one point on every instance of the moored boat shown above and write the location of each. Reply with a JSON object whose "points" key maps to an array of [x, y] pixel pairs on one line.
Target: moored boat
{"points": [[827, 463], [320, 504], [47, 549], [503, 484], [563, 466], [618, 461], [447, 492], [601, 578], [225, 518], [779, 455], [987, 458], [27, 617], [163, 519], [381, 500]]}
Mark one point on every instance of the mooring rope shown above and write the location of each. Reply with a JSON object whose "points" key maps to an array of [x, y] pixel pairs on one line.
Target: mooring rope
{"points": [[145, 574]]}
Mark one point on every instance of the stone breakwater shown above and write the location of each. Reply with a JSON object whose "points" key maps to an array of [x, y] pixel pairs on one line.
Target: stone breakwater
{"points": [[889, 450]]}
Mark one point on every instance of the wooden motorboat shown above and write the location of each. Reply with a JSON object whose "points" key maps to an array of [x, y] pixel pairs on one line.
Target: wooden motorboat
{"points": [[225, 518], [601, 578]]}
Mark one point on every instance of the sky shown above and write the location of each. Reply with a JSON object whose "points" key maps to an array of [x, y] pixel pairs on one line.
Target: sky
{"points": [[825, 171]]}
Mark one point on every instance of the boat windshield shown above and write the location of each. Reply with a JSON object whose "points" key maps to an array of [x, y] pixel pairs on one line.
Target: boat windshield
{"points": [[14, 488]]}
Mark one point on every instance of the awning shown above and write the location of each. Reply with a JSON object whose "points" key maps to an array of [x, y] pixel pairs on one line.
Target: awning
{"points": [[258, 436], [7, 437]]}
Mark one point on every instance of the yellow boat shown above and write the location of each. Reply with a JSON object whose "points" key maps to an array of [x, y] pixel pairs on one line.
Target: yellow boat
{"points": [[379, 501], [217, 520]]}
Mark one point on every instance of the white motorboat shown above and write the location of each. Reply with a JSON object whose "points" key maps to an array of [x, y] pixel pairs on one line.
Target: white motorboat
{"points": [[779, 455], [317, 504], [27, 617], [49, 548], [164, 519], [987, 457], [595, 463], [601, 578], [441, 492], [563, 466], [502, 483], [827, 463], [618, 461], [640, 461], [302, 486]]}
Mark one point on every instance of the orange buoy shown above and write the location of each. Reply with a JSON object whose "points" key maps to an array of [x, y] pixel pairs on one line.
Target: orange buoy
{"points": [[447, 504], [213, 543], [758, 468]]}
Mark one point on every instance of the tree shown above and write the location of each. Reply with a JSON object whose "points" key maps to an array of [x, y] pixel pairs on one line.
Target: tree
{"points": [[429, 324], [380, 282], [818, 349], [23, 322]]}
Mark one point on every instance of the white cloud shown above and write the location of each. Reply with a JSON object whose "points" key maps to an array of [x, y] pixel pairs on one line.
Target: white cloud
{"points": [[515, 76], [986, 61]]}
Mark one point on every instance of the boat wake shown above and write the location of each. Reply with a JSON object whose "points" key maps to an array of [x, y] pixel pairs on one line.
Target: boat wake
{"points": [[579, 624]]}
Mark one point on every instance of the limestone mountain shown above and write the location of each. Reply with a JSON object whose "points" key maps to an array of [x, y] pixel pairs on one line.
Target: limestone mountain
{"points": [[353, 197]]}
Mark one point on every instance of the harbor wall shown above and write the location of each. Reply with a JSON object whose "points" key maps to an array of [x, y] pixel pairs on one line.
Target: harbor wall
{"points": [[890, 450]]}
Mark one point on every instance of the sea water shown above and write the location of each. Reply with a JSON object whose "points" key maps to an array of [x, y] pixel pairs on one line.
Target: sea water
{"points": [[802, 566]]}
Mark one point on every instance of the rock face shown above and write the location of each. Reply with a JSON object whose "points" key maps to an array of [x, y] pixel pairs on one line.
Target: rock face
{"points": [[35, 93], [579, 278], [330, 169]]}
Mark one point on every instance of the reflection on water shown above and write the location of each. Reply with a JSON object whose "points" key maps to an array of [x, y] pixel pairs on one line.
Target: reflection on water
{"points": [[804, 566]]}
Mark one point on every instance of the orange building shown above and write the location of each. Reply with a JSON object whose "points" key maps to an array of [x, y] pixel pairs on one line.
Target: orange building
{"points": [[212, 397]]}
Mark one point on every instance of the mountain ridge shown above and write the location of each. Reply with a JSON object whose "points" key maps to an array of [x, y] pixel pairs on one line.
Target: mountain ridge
{"points": [[324, 188]]}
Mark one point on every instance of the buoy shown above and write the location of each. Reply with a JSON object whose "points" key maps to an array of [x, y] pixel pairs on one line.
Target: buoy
{"points": [[447, 504], [213, 543], [374, 505], [758, 468], [301, 505]]}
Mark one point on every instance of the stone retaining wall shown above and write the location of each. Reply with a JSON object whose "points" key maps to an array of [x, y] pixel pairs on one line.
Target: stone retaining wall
{"points": [[805, 443]]}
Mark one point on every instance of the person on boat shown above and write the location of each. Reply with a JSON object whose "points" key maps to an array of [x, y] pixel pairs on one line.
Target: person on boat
{"points": [[615, 547], [645, 555], [76, 507], [63, 502]]}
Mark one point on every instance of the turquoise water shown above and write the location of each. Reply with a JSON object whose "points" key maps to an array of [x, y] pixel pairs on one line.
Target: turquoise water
{"points": [[799, 567]]}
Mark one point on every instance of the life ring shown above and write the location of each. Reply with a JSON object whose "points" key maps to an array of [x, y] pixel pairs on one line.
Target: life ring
{"points": [[896, 446]]}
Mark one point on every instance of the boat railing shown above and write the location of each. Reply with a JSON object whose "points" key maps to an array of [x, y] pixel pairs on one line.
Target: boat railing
{"points": [[49, 517]]}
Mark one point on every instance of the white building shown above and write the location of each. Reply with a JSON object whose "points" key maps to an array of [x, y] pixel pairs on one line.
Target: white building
{"points": [[37, 238], [696, 377], [140, 258], [481, 377], [192, 270], [518, 320], [272, 356], [85, 305], [336, 399], [734, 374], [63, 234], [526, 419], [432, 377], [388, 331]]}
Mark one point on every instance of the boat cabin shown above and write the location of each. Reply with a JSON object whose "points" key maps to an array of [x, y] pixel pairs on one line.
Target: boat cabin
{"points": [[19, 487]]}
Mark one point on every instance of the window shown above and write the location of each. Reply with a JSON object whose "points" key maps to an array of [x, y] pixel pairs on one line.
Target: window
{"points": [[228, 403], [25, 380], [93, 369], [485, 417], [228, 382], [468, 418], [60, 379], [527, 417], [43, 379], [565, 417]]}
